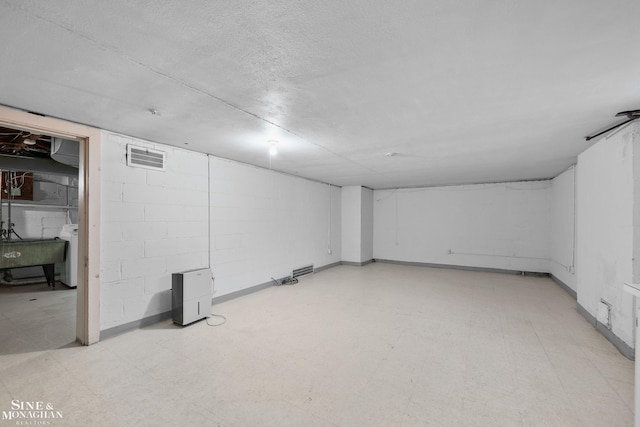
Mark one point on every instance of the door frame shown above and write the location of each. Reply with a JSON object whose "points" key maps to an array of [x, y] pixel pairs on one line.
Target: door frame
{"points": [[88, 291]]}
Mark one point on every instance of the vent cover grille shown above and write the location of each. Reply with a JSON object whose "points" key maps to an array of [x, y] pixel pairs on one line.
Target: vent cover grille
{"points": [[145, 158], [302, 271]]}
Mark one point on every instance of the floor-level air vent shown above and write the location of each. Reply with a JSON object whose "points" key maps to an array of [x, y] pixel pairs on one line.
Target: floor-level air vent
{"points": [[302, 271], [145, 158], [604, 313]]}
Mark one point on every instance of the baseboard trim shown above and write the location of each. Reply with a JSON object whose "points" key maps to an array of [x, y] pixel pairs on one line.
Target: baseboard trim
{"points": [[622, 346], [136, 324], [464, 267], [326, 267], [357, 264], [148, 321], [242, 292], [261, 286], [564, 286]]}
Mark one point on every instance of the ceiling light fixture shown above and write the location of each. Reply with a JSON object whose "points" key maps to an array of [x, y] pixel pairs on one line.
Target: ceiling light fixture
{"points": [[273, 149], [29, 139]]}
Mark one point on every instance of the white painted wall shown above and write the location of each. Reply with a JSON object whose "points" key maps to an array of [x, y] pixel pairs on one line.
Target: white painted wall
{"points": [[366, 233], [563, 228], [264, 224], [153, 224], [503, 226], [351, 197], [37, 223], [605, 227], [248, 224]]}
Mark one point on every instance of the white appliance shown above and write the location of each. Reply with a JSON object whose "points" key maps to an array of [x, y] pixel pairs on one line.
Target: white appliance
{"points": [[191, 295], [69, 271]]}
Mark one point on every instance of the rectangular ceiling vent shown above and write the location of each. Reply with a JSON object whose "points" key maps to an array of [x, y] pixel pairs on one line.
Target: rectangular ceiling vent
{"points": [[302, 271], [145, 158]]}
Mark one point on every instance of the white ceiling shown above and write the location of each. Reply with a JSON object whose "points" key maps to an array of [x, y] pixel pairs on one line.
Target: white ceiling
{"points": [[464, 92]]}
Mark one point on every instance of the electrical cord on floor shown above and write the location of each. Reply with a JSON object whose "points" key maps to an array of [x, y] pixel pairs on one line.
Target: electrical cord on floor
{"points": [[286, 281], [216, 324]]}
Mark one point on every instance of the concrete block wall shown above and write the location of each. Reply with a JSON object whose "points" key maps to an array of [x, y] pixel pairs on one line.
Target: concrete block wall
{"points": [[52, 194], [38, 223], [153, 223], [264, 224], [502, 226]]}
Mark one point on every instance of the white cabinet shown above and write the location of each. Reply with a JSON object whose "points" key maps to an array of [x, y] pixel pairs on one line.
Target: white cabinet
{"points": [[191, 295]]}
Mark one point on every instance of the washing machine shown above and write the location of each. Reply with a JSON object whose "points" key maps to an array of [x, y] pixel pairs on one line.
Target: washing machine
{"points": [[69, 272]]}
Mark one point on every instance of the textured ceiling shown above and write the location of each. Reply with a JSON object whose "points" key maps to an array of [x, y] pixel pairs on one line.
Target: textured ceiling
{"points": [[463, 92]]}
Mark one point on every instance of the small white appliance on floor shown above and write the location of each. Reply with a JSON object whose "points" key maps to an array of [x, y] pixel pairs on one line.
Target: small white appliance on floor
{"points": [[69, 272], [191, 295]]}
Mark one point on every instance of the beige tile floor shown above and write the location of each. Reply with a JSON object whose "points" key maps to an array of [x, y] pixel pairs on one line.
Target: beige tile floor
{"points": [[381, 345]]}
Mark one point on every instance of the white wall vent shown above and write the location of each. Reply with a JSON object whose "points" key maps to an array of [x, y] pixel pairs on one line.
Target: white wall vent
{"points": [[145, 158], [302, 271]]}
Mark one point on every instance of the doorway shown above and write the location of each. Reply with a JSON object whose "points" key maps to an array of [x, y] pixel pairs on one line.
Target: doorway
{"points": [[86, 299], [38, 232]]}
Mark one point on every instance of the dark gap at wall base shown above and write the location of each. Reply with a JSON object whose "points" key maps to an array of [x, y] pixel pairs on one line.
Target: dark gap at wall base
{"points": [[564, 286], [622, 347]]}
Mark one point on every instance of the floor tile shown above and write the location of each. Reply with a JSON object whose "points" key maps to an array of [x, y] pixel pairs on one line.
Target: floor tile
{"points": [[380, 345]]}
